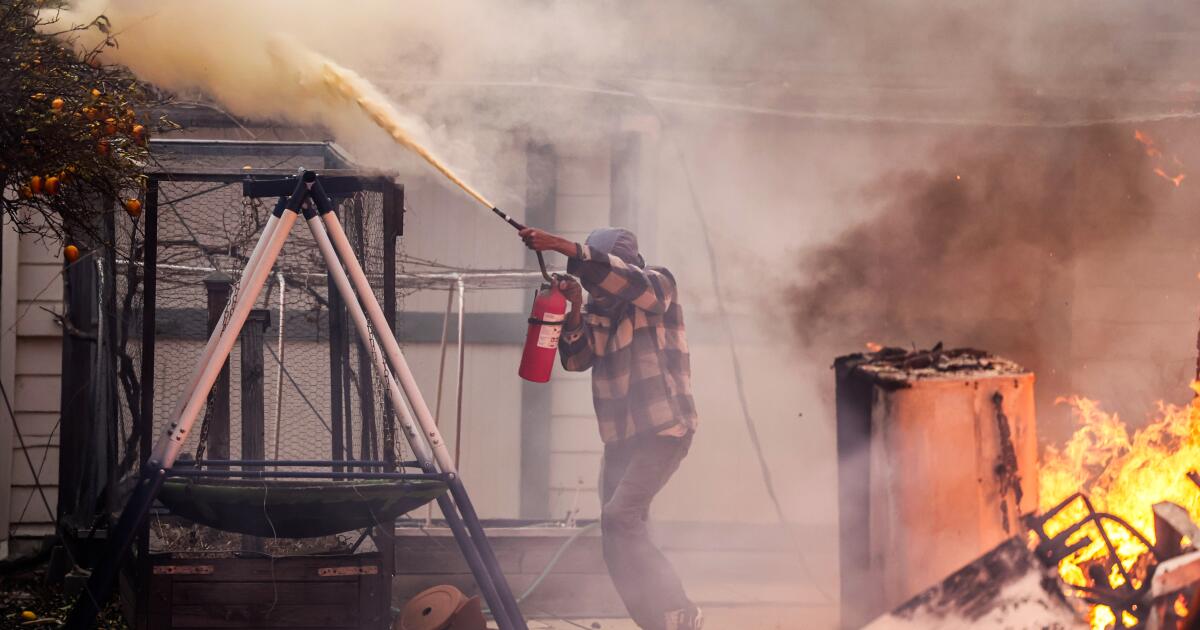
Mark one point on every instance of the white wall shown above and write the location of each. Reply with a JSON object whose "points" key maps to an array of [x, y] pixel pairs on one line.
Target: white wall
{"points": [[30, 367]]}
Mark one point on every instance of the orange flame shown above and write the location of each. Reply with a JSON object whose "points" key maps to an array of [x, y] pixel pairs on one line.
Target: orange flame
{"points": [[1124, 475]]}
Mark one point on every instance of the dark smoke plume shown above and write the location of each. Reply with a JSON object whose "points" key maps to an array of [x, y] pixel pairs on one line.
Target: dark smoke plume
{"points": [[975, 245]]}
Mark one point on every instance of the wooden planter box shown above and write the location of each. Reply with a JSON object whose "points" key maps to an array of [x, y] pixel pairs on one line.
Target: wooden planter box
{"points": [[336, 591]]}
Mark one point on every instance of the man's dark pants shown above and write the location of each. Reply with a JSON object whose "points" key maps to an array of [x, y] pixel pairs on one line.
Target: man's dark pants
{"points": [[632, 473]]}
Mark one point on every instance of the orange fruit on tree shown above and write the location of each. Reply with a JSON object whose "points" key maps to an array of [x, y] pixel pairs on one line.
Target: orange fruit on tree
{"points": [[51, 185], [110, 126], [102, 147], [95, 93], [71, 253], [56, 104], [138, 131], [35, 184], [133, 207]]}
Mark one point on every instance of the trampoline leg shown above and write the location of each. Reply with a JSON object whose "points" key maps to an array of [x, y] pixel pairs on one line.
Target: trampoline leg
{"points": [[479, 568], [484, 547], [484, 576], [402, 373], [99, 587]]}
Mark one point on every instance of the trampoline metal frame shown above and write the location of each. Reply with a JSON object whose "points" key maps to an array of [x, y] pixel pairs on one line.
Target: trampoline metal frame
{"points": [[305, 194]]}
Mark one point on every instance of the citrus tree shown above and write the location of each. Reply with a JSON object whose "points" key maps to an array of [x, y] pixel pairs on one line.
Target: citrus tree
{"points": [[73, 132]]}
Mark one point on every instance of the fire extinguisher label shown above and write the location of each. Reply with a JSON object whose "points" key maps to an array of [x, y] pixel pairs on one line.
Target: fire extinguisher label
{"points": [[549, 333]]}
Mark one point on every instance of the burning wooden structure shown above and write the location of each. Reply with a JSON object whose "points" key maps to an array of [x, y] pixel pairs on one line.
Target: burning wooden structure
{"points": [[939, 476], [937, 455], [1018, 584]]}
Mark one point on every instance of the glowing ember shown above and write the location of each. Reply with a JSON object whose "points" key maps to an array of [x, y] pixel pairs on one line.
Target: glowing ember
{"points": [[1124, 475], [1153, 151], [1177, 180]]}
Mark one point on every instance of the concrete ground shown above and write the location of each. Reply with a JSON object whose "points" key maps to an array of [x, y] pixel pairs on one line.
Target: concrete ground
{"points": [[720, 618], [772, 591]]}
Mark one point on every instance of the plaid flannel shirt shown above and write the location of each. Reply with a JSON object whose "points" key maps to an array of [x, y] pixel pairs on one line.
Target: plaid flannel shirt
{"points": [[641, 374]]}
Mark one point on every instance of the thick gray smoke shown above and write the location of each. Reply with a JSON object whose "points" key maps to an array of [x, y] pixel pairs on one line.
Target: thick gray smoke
{"points": [[975, 242]]}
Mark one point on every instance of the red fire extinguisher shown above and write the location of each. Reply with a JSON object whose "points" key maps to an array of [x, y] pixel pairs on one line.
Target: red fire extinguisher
{"points": [[545, 326], [545, 321]]}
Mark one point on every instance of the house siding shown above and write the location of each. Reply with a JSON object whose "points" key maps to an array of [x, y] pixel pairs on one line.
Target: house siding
{"points": [[30, 369]]}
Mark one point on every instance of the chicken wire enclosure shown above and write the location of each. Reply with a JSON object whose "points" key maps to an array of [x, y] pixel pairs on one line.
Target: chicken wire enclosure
{"points": [[297, 370]]}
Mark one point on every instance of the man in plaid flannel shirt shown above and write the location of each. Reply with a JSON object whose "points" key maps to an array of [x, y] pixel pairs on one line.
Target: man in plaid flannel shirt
{"points": [[631, 335]]}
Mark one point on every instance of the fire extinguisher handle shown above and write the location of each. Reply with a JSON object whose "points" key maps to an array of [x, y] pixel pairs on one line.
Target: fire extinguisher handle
{"points": [[542, 264]]}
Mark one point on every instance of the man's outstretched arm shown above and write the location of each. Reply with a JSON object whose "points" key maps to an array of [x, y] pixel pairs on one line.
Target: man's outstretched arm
{"points": [[646, 289]]}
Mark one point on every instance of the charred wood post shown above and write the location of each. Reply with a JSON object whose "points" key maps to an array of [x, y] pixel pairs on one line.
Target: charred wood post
{"points": [[393, 229], [218, 285], [337, 342], [253, 404], [368, 439], [253, 373], [141, 564]]}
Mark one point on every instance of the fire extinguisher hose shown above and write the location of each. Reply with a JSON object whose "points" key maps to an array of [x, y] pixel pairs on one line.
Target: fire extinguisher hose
{"points": [[519, 226]]}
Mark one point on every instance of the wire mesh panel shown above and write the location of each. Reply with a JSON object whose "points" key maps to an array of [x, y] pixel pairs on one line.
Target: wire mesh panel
{"points": [[314, 377]]}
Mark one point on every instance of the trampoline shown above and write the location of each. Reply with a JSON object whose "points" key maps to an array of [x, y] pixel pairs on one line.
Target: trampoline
{"points": [[296, 508]]}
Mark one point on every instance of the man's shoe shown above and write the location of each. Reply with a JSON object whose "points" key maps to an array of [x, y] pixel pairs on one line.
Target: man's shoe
{"points": [[685, 619]]}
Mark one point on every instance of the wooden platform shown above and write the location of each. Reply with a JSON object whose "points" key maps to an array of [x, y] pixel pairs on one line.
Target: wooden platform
{"points": [[337, 591]]}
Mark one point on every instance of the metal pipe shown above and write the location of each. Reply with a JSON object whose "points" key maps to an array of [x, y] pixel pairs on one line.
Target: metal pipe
{"points": [[171, 441], [460, 378], [437, 404], [279, 357]]}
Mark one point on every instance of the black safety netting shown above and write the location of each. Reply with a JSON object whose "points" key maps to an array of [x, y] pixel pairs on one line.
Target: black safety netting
{"points": [[288, 353]]}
